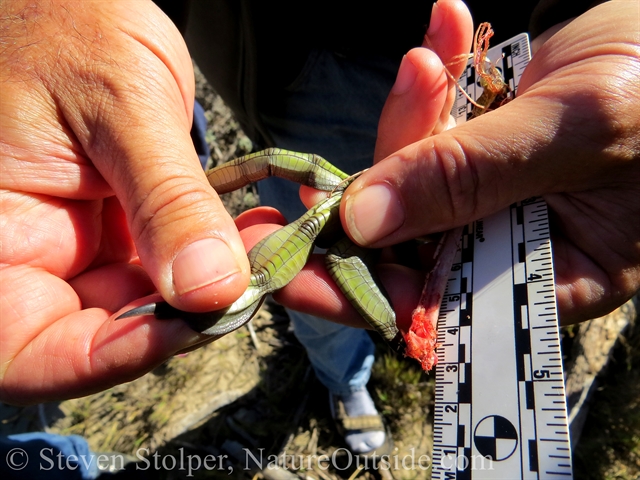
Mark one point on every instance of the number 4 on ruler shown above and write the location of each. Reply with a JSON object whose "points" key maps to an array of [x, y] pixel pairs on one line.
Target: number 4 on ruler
{"points": [[500, 408]]}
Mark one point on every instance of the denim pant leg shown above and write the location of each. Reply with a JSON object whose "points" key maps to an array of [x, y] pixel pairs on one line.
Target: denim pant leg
{"points": [[40, 455], [332, 110], [341, 356]]}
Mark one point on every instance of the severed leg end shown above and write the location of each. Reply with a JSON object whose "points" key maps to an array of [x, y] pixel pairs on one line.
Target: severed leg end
{"points": [[422, 337]]}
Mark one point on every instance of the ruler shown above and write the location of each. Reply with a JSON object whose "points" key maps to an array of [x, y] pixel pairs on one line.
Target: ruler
{"points": [[500, 409]]}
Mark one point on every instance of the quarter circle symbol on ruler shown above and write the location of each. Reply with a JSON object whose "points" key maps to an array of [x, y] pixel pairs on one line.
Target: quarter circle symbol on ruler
{"points": [[495, 437]]}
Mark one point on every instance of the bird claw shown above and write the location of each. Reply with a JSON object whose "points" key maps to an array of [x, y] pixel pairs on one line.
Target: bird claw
{"points": [[148, 309]]}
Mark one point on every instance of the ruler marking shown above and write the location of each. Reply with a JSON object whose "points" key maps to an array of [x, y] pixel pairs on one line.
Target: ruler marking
{"points": [[521, 391], [526, 395]]}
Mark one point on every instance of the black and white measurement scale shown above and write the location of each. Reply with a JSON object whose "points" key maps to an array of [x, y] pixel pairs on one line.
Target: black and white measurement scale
{"points": [[500, 409]]}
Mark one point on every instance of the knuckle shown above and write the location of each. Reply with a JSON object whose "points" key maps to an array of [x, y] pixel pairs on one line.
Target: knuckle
{"points": [[459, 180], [175, 201]]}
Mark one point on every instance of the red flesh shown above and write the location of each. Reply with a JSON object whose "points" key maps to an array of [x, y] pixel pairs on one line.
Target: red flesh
{"points": [[421, 338]]}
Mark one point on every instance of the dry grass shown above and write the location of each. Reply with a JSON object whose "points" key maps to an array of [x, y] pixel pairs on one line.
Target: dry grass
{"points": [[610, 445]]}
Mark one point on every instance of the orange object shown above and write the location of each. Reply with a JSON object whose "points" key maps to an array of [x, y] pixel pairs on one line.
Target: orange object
{"points": [[422, 337]]}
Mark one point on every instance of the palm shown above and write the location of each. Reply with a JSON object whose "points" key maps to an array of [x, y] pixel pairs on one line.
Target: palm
{"points": [[579, 80], [594, 251], [75, 270]]}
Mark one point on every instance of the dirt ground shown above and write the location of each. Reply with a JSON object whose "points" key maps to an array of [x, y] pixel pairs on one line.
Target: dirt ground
{"points": [[253, 396]]}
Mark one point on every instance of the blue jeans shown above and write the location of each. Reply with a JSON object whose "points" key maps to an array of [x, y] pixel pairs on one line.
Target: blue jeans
{"points": [[332, 109], [47, 456]]}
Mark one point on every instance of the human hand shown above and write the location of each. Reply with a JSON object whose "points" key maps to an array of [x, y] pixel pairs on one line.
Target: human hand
{"points": [[99, 176], [571, 136]]}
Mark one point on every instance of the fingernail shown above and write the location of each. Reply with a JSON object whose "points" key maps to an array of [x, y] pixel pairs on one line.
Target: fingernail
{"points": [[435, 21], [202, 263], [373, 213], [407, 74]]}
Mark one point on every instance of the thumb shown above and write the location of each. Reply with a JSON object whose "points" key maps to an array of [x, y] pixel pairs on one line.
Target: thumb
{"points": [[471, 171], [132, 115]]}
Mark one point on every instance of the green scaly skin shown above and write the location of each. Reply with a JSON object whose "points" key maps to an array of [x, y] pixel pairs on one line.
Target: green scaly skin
{"points": [[279, 257]]}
